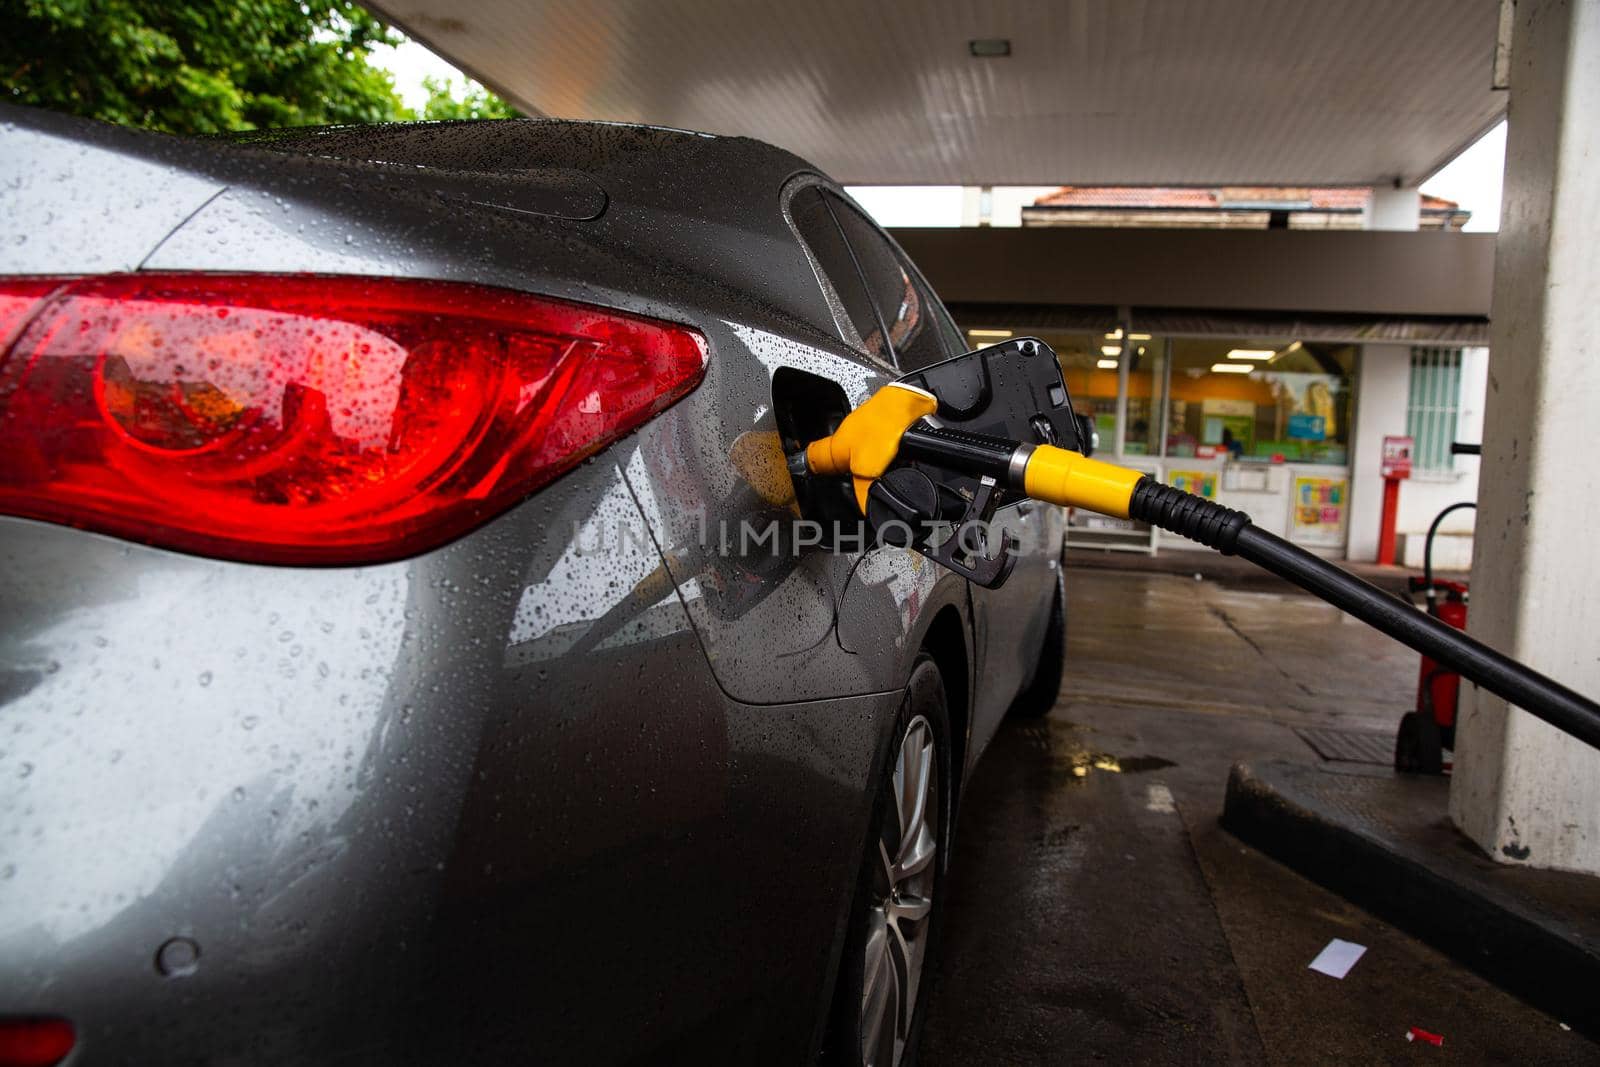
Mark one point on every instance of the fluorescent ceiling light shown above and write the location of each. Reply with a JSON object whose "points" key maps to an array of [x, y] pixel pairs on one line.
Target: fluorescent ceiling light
{"points": [[1111, 350], [1106, 364], [1138, 337], [988, 333], [1231, 368], [1252, 353], [1115, 335]]}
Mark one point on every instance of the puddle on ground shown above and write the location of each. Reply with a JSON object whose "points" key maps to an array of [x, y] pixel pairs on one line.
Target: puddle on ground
{"points": [[1140, 764], [1066, 750], [1085, 763]]}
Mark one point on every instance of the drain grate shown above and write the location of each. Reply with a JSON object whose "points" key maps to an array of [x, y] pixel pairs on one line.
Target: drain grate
{"points": [[1349, 746]]}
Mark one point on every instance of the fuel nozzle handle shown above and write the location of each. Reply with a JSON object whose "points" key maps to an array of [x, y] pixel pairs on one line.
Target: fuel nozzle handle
{"points": [[867, 441]]}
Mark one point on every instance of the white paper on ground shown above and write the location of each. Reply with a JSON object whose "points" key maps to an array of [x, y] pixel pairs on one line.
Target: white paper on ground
{"points": [[1336, 960]]}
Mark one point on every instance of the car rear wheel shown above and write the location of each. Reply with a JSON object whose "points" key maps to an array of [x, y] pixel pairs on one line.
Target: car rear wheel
{"points": [[894, 924]]}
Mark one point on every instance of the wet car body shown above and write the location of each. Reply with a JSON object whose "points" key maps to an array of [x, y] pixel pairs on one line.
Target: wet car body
{"points": [[568, 787]]}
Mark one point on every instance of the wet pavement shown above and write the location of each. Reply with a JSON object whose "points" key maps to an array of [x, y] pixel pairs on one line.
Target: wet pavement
{"points": [[1098, 912]]}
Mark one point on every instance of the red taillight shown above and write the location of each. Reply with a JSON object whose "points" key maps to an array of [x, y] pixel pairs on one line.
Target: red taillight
{"points": [[18, 299], [296, 419], [34, 1042]]}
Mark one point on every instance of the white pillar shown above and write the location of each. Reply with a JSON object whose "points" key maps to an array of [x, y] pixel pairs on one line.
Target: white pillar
{"points": [[1383, 388], [977, 205], [1394, 208], [1522, 790]]}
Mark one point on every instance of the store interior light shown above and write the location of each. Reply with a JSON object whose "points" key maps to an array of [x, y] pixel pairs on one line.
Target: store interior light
{"points": [[1138, 337], [1115, 335], [1252, 353], [1111, 350], [1231, 368], [989, 333], [1106, 364]]}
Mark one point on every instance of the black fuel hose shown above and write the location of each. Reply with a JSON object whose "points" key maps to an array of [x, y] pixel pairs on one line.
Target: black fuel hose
{"points": [[1427, 550], [1232, 533], [1060, 476]]}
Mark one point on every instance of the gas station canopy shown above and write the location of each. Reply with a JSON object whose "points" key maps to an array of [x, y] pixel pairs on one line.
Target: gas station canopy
{"points": [[1172, 92]]}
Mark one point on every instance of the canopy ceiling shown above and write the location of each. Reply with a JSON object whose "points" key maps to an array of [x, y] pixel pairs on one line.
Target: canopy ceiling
{"points": [[1171, 92]]}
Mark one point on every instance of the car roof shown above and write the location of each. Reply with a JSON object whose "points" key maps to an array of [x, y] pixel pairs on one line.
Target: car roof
{"points": [[669, 196], [629, 160]]}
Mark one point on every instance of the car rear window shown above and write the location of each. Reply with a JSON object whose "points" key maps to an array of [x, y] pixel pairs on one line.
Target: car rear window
{"points": [[905, 309], [814, 219]]}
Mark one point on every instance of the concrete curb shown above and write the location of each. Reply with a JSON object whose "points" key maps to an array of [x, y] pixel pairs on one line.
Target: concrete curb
{"points": [[1384, 843]]}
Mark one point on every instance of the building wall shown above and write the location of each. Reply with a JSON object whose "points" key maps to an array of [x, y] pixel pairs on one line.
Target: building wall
{"points": [[1383, 383], [1304, 272], [1382, 393], [1424, 497]]}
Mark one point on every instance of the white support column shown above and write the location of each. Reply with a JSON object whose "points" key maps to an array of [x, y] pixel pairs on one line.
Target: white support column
{"points": [[1522, 790], [1394, 208], [1383, 388], [971, 205]]}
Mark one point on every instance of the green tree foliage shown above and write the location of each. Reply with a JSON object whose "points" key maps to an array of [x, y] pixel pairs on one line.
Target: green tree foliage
{"points": [[475, 102], [209, 66]]}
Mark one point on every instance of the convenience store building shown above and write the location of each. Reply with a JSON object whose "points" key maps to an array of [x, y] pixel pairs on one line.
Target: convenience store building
{"points": [[1252, 345]]}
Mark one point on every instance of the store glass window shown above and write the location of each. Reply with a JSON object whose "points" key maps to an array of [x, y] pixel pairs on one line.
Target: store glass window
{"points": [[1147, 378], [1263, 400]]}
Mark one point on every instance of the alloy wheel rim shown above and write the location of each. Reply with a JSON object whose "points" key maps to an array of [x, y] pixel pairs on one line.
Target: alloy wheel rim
{"points": [[901, 904]]}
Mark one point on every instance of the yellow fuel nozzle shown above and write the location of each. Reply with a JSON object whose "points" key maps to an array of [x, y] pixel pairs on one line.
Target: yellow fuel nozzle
{"points": [[868, 439], [1058, 476]]}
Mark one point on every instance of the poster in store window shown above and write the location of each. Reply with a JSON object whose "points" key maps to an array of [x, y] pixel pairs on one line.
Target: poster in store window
{"points": [[1319, 508], [1304, 427], [1200, 483]]}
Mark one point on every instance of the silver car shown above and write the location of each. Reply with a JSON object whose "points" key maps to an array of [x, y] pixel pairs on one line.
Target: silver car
{"points": [[408, 648]]}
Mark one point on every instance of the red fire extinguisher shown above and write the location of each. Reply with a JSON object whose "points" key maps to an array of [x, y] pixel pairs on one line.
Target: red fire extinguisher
{"points": [[1430, 729]]}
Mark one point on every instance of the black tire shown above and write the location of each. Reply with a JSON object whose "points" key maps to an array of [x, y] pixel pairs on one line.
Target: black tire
{"points": [[924, 702], [1039, 697], [1418, 746]]}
